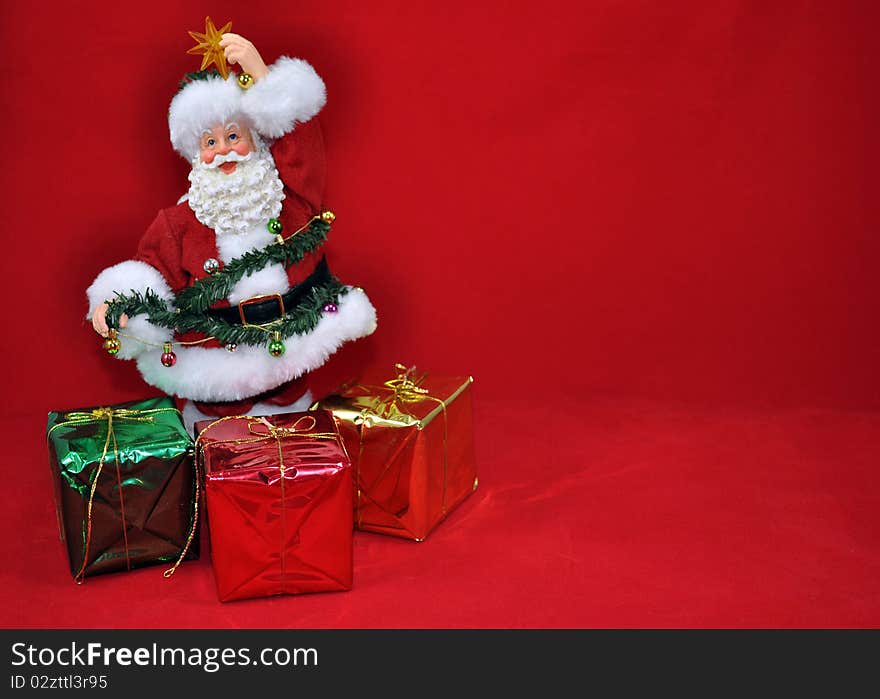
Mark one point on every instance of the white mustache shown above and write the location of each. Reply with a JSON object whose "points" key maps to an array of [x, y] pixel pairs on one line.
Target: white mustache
{"points": [[230, 157]]}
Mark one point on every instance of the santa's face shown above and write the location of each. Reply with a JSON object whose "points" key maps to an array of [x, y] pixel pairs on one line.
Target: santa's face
{"points": [[221, 141], [240, 198]]}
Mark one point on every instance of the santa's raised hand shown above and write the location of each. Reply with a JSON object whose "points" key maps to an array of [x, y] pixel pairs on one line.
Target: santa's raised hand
{"points": [[240, 51]]}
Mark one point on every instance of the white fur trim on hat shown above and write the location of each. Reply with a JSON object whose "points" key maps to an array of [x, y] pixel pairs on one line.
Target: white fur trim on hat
{"points": [[201, 105], [292, 92], [128, 276], [216, 374]]}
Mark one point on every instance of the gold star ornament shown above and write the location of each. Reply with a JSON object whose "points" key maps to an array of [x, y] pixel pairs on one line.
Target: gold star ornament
{"points": [[208, 46]]}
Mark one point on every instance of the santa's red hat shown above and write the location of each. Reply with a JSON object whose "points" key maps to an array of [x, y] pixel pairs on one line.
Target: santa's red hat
{"points": [[291, 92]]}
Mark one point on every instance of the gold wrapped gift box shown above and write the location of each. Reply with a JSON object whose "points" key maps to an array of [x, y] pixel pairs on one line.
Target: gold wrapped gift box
{"points": [[410, 438]]}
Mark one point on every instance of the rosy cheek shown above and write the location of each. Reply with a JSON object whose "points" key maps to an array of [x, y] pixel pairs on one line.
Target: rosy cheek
{"points": [[241, 148], [208, 156]]}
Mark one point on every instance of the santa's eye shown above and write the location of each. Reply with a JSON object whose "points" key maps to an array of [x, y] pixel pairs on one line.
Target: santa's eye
{"points": [[211, 143], [233, 136]]}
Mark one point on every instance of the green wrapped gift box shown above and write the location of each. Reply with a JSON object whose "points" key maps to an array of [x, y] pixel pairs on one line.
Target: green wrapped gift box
{"points": [[124, 485]]}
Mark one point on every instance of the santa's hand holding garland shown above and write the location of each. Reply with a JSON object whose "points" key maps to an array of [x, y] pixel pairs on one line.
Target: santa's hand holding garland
{"points": [[228, 302]]}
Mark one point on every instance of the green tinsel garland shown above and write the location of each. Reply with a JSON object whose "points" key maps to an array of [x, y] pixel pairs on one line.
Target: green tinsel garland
{"points": [[198, 75], [186, 312], [298, 321], [204, 293]]}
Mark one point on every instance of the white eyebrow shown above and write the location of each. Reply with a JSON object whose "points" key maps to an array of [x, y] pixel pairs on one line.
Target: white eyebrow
{"points": [[231, 124]]}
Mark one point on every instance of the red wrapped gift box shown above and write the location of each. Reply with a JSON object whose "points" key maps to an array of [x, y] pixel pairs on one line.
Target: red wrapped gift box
{"points": [[279, 498]]}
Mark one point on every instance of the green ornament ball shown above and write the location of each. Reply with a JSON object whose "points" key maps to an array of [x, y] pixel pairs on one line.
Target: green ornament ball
{"points": [[276, 348], [274, 226]]}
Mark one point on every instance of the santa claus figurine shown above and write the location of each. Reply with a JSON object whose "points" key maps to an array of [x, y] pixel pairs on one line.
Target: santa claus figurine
{"points": [[257, 181]]}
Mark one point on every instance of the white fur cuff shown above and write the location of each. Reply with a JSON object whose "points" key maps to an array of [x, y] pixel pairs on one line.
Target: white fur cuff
{"points": [[292, 92], [128, 276]]}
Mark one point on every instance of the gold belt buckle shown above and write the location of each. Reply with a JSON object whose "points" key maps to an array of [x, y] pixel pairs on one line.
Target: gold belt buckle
{"points": [[258, 299]]}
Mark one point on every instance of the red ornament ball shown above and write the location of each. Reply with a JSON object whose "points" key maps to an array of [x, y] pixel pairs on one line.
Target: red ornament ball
{"points": [[168, 357]]}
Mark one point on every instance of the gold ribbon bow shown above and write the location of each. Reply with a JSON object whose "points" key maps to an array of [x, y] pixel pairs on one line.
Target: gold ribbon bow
{"points": [[301, 429], [403, 389], [267, 431], [404, 386], [98, 415]]}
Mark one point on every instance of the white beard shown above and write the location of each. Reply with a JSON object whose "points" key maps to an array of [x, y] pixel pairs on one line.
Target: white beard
{"points": [[236, 203]]}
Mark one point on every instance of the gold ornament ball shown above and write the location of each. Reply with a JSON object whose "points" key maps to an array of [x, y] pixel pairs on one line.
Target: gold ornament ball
{"points": [[112, 345], [328, 217], [245, 80]]}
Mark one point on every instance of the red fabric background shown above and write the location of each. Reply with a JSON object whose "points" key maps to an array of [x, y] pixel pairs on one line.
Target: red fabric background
{"points": [[624, 218]]}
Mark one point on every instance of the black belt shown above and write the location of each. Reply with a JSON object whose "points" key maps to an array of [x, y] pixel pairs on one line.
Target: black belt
{"points": [[265, 309]]}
